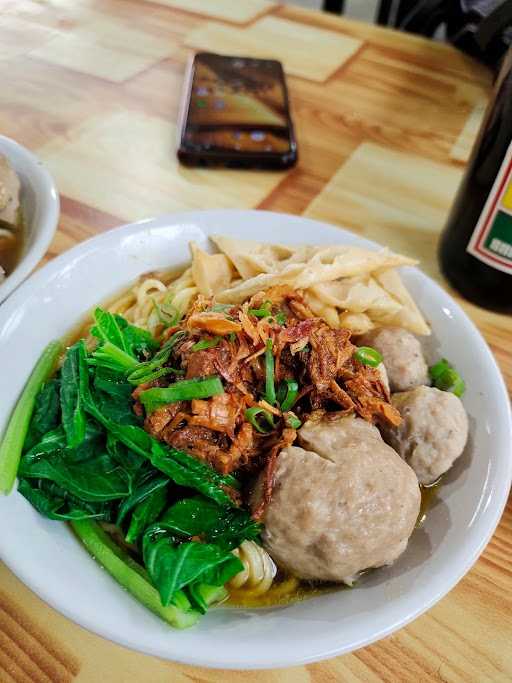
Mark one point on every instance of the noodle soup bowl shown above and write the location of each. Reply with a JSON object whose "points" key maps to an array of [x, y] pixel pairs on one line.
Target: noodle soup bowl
{"points": [[461, 519], [40, 208]]}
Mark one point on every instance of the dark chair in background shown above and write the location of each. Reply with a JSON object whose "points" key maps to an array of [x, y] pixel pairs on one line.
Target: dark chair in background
{"points": [[482, 28], [382, 15]]}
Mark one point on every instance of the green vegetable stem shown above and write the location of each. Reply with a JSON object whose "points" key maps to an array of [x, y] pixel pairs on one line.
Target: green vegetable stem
{"points": [[131, 576], [17, 428]]}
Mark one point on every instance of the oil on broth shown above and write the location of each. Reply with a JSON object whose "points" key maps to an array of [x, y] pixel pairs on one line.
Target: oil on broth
{"points": [[11, 250]]}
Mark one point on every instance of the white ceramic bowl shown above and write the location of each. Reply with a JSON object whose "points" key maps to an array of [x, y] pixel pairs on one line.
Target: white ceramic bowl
{"points": [[46, 556], [40, 205]]}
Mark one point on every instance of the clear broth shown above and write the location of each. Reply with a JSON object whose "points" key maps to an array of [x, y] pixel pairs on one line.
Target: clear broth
{"points": [[12, 250]]}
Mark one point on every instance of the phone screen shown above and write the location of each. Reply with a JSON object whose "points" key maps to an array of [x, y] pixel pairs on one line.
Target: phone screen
{"points": [[237, 106]]}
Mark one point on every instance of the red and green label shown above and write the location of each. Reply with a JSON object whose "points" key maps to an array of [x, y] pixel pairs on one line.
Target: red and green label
{"points": [[491, 241]]}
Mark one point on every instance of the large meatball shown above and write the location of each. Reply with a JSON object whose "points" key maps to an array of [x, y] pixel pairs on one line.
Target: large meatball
{"points": [[433, 432], [345, 504], [402, 355]]}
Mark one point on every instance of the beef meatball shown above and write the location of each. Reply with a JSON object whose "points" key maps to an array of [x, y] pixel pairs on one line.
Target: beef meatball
{"points": [[402, 355], [343, 502], [433, 432]]}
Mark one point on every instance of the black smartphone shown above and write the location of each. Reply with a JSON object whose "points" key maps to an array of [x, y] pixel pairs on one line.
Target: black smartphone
{"points": [[236, 113]]}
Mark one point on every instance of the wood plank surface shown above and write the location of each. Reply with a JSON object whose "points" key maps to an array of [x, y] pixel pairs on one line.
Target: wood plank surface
{"points": [[385, 123]]}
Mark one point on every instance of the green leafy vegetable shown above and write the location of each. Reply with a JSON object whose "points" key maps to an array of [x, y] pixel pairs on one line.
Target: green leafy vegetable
{"points": [[147, 484], [55, 441], [53, 502], [251, 415], [131, 576], [73, 415], [171, 566], [96, 479], [132, 462], [17, 428], [183, 390], [46, 414], [146, 513], [446, 378], [88, 458], [368, 356], [152, 369], [115, 329], [198, 516], [113, 358], [114, 397], [182, 468], [206, 480]]}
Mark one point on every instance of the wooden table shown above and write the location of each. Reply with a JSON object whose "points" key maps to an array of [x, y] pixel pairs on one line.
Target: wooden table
{"points": [[384, 121]]}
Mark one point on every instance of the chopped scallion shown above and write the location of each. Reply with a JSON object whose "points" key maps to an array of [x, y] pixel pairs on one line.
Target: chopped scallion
{"points": [[287, 394], [368, 356], [263, 312], [270, 389], [251, 415], [292, 420], [206, 344], [184, 390], [446, 378]]}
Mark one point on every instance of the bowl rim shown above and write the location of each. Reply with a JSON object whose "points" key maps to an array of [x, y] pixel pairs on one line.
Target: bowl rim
{"points": [[284, 659], [47, 196]]}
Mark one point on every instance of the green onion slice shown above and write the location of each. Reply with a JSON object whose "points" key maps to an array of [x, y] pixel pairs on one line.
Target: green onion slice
{"points": [[184, 390], [446, 378], [262, 312], [206, 344], [270, 389], [281, 318], [435, 371], [287, 394], [368, 356], [259, 312], [251, 415], [292, 420]]}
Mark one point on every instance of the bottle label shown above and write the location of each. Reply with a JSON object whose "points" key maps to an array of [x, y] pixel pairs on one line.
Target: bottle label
{"points": [[491, 241]]}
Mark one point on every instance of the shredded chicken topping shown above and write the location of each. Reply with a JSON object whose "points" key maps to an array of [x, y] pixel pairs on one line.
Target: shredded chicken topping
{"points": [[305, 349]]}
